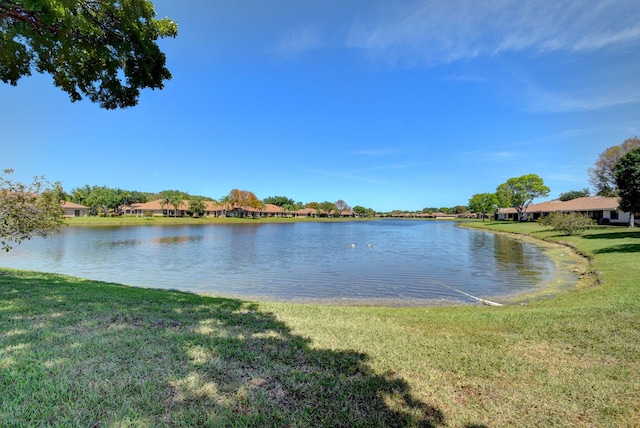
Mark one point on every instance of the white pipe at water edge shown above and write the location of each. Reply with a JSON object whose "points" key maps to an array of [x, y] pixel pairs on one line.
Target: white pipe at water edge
{"points": [[483, 301]]}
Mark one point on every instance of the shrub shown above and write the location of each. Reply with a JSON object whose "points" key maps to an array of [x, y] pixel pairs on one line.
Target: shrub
{"points": [[571, 223]]}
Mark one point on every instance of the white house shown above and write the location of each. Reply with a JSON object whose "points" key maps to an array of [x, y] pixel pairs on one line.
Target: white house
{"points": [[74, 210], [597, 207]]}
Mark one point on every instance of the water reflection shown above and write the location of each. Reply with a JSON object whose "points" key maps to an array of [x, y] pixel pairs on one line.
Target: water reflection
{"points": [[169, 239], [408, 263]]}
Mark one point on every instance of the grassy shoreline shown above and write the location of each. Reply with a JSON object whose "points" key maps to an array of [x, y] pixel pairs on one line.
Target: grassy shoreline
{"points": [[84, 353]]}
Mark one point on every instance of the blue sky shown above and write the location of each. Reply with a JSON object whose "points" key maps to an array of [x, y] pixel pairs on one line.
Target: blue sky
{"points": [[388, 105]]}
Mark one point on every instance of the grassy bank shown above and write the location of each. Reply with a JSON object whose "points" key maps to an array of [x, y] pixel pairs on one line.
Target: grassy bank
{"points": [[84, 353]]}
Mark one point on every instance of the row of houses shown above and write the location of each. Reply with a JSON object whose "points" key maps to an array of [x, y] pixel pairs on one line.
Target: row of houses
{"points": [[436, 215], [216, 209], [212, 209], [599, 208]]}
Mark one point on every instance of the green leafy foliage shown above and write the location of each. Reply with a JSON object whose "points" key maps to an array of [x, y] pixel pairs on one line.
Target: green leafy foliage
{"points": [[569, 223], [280, 201], [197, 206], [574, 194], [102, 49], [627, 175], [519, 192], [483, 203], [100, 199], [364, 212], [328, 208], [28, 210], [175, 199], [602, 174]]}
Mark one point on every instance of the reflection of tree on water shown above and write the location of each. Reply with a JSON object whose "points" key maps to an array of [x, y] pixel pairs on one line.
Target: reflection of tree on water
{"points": [[499, 253], [514, 255], [176, 239]]}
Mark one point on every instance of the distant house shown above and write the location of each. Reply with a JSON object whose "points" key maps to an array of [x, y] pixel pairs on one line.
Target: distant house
{"points": [[270, 210], [157, 208], [596, 207], [444, 215], [211, 209], [74, 210], [306, 212]]}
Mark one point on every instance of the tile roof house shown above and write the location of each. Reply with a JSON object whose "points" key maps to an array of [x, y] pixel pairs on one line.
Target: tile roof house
{"points": [[306, 212], [74, 210], [157, 208], [596, 207], [270, 210], [212, 209], [217, 209]]}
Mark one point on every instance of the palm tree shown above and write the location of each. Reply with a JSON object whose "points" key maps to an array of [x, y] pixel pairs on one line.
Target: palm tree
{"points": [[197, 206], [176, 201], [166, 201], [172, 198], [225, 203]]}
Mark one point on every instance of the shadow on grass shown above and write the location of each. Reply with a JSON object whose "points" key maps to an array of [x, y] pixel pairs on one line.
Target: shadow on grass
{"points": [[624, 248], [83, 353], [615, 235], [621, 246]]}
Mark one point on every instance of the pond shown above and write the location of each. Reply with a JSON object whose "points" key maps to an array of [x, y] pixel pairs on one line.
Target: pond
{"points": [[392, 262]]}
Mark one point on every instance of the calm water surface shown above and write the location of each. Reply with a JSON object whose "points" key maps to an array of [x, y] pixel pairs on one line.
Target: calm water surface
{"points": [[409, 261]]}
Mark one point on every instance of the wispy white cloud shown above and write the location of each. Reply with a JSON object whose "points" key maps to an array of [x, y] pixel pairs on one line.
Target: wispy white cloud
{"points": [[608, 93], [434, 32], [442, 32], [542, 100]]}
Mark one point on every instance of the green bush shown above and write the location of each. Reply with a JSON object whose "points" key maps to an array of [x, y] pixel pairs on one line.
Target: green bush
{"points": [[569, 223]]}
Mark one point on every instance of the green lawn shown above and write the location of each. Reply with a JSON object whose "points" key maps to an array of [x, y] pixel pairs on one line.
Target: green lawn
{"points": [[83, 353]]}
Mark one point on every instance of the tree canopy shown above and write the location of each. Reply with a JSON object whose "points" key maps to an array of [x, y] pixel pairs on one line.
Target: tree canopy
{"points": [[342, 206], [574, 194], [28, 210], [627, 174], [602, 174], [197, 206], [519, 192], [102, 198], [103, 49], [175, 199], [280, 201], [243, 200], [483, 203], [363, 211]]}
